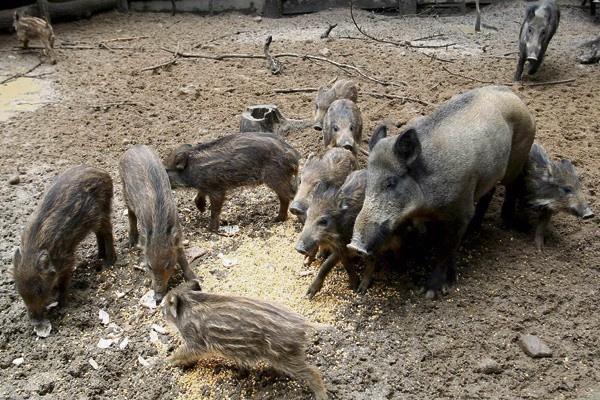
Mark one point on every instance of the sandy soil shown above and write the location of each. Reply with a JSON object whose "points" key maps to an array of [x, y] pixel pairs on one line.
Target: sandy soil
{"points": [[391, 343]]}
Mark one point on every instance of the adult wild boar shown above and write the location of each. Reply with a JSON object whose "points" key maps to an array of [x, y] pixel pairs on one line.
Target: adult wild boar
{"points": [[440, 167], [541, 21]]}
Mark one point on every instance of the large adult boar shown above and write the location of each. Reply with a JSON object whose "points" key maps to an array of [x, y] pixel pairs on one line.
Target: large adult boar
{"points": [[150, 202], [551, 186], [342, 89], [77, 202], [440, 167], [330, 171], [541, 21], [244, 330], [241, 159], [343, 125]]}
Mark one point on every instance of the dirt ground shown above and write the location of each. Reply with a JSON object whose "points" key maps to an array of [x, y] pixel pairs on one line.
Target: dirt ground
{"points": [[391, 343]]}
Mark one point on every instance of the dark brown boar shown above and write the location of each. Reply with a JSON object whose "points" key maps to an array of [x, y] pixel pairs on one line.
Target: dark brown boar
{"points": [[150, 202], [29, 28], [241, 159], [330, 171], [552, 186], [76, 203], [342, 126], [342, 89], [241, 329], [328, 226], [444, 170]]}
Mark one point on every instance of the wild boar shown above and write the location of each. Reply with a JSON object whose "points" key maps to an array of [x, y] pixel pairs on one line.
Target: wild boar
{"points": [[29, 28], [440, 167], [343, 126], [342, 89]]}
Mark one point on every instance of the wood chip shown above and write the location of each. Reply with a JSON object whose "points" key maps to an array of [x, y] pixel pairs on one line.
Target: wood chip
{"points": [[93, 363]]}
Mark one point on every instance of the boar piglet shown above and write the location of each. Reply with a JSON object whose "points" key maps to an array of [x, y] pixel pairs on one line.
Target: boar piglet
{"points": [[241, 159], [29, 28], [440, 167], [329, 225], [330, 171], [541, 21], [343, 125], [552, 186], [244, 330], [342, 89], [150, 202], [76, 203]]}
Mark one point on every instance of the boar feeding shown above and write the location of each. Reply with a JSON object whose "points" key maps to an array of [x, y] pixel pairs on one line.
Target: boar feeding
{"points": [[150, 202], [440, 167], [552, 186], [76, 203], [241, 159], [241, 329]]}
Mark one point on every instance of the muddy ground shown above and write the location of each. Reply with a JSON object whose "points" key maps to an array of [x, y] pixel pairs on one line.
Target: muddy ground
{"points": [[392, 342]]}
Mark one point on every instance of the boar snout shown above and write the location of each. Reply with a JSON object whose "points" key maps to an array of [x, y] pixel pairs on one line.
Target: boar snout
{"points": [[358, 250], [158, 296], [587, 213], [306, 247], [318, 126], [348, 146], [298, 209]]}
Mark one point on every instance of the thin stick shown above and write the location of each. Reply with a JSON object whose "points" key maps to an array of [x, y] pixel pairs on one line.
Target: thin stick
{"points": [[428, 37], [296, 90], [274, 65], [544, 83], [465, 77], [124, 39], [404, 99], [325, 34], [15, 76], [172, 61]]}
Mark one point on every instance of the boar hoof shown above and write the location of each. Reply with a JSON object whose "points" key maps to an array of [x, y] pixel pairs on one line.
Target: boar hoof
{"points": [[280, 218], [362, 288], [311, 292], [445, 290]]}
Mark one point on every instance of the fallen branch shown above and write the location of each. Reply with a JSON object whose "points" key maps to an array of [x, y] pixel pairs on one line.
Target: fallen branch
{"points": [[325, 34], [544, 83], [15, 76], [342, 66], [124, 39], [405, 43], [298, 90], [168, 63], [465, 77], [428, 37], [404, 99], [274, 65]]}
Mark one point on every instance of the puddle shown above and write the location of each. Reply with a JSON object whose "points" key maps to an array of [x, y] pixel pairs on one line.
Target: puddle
{"points": [[22, 94]]}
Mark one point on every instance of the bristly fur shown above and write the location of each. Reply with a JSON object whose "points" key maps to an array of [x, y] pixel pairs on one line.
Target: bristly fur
{"points": [[29, 28]]}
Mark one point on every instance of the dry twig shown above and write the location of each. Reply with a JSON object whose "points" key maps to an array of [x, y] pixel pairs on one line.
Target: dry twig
{"points": [[274, 65], [465, 77], [296, 90], [325, 34], [544, 83], [404, 99], [15, 76], [170, 62], [124, 39]]}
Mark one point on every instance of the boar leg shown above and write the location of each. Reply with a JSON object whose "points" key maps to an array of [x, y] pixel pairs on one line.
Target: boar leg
{"points": [[106, 244], [300, 370], [184, 356], [353, 279], [284, 203], [200, 201], [64, 283], [216, 205], [188, 274], [540, 230], [325, 269], [509, 204], [133, 230], [367, 278], [520, 65], [480, 209]]}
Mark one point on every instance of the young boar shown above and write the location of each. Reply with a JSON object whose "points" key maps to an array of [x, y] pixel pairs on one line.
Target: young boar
{"points": [[150, 202], [77, 202], [241, 159], [329, 225], [29, 28], [330, 171], [541, 21], [342, 89], [440, 167], [241, 329], [343, 125], [552, 186]]}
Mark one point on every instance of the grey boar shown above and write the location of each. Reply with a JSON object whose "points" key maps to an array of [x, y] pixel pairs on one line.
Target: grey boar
{"points": [[552, 186], [150, 202], [241, 329], [540, 24], [330, 171], [76, 203], [328, 226], [343, 125], [342, 89], [29, 28], [241, 159], [440, 167]]}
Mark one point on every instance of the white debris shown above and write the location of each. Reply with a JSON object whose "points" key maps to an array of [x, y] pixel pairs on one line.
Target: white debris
{"points": [[104, 343], [104, 317], [229, 230], [229, 262], [148, 300], [124, 343], [153, 337], [93, 363], [159, 329], [43, 329], [51, 305], [194, 252], [185, 242], [125, 212], [220, 255], [325, 52], [143, 361], [120, 294], [18, 361], [113, 331]]}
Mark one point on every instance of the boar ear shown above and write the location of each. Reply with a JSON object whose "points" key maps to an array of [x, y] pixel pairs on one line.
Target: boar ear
{"points": [[408, 146], [194, 285], [326, 131], [17, 258], [181, 159], [172, 305], [380, 133]]}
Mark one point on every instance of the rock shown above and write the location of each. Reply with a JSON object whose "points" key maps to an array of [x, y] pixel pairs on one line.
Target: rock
{"points": [[14, 180], [534, 347], [41, 384], [488, 366], [126, 142], [194, 252], [325, 52], [18, 361], [258, 18]]}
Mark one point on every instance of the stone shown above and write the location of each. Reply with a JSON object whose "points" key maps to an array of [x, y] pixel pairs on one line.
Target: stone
{"points": [[14, 180], [534, 347], [488, 366]]}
